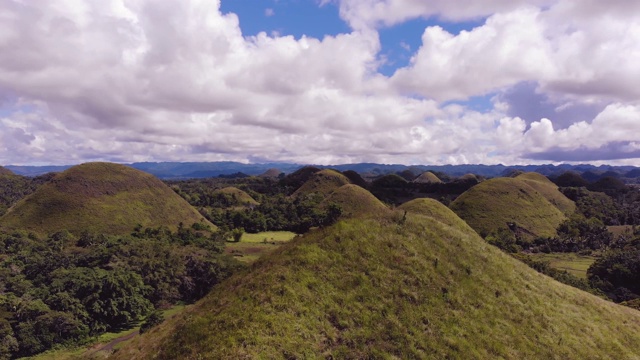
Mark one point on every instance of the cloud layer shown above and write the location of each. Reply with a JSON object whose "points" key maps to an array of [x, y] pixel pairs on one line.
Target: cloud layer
{"points": [[177, 80]]}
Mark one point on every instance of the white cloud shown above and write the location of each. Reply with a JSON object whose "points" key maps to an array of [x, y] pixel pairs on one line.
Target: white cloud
{"points": [[177, 80]]}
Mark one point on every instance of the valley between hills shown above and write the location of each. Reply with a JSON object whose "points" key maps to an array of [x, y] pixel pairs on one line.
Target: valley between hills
{"points": [[104, 260]]}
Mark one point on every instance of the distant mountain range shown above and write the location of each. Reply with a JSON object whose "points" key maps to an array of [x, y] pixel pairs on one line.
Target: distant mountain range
{"points": [[186, 170]]}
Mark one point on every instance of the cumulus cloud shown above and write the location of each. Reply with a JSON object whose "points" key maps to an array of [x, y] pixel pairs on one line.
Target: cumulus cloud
{"points": [[177, 80]]}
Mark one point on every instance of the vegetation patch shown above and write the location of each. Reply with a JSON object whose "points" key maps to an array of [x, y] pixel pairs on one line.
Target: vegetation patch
{"points": [[573, 263]]}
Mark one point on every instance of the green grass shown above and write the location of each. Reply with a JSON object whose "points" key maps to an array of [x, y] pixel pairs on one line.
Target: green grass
{"points": [[253, 246], [574, 264], [100, 198], [376, 288], [278, 236], [492, 204], [621, 230]]}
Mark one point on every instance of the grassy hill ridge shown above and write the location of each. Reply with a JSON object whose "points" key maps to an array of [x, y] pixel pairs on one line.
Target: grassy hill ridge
{"points": [[380, 288], [103, 198]]}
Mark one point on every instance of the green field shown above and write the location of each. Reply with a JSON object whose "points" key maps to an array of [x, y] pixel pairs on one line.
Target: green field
{"points": [[253, 246], [574, 264]]}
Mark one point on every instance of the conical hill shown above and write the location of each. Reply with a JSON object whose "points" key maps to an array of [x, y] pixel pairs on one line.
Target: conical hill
{"points": [[239, 197], [355, 201], [509, 204], [549, 190], [427, 178], [323, 182], [381, 287], [100, 198]]}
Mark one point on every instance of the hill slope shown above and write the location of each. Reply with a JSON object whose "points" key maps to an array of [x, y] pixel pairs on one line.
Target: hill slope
{"points": [[101, 198], [323, 182], [5, 171], [493, 204], [549, 190], [368, 288]]}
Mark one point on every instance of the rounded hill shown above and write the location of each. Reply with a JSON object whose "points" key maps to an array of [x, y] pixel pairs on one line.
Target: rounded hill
{"points": [[238, 196], [508, 204], [355, 201], [378, 289], [323, 182], [434, 209], [100, 198], [549, 190], [427, 178]]}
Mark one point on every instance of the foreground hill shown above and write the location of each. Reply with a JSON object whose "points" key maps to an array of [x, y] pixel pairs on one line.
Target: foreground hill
{"points": [[323, 182], [511, 203], [100, 198], [391, 288]]}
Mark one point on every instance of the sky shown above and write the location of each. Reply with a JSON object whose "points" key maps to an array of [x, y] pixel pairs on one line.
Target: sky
{"points": [[320, 81]]}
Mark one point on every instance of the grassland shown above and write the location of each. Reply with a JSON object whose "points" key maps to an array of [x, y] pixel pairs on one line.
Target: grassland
{"points": [[494, 204], [621, 230], [253, 246], [100, 198], [383, 288], [574, 264]]}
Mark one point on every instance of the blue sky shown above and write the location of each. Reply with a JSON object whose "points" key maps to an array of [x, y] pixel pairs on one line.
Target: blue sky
{"points": [[390, 81]]}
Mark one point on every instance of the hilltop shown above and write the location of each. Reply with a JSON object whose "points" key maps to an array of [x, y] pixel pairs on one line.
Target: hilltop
{"points": [[512, 204], [355, 201], [549, 190], [101, 198], [427, 178], [323, 182], [384, 288], [238, 196]]}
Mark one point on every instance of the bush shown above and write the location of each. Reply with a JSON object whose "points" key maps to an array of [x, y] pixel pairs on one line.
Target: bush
{"points": [[154, 319]]}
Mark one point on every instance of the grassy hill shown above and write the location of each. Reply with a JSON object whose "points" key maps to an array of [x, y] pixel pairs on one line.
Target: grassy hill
{"points": [[376, 288], [493, 204], [5, 171], [355, 201], [549, 190], [323, 182], [427, 178], [101, 198], [242, 197]]}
